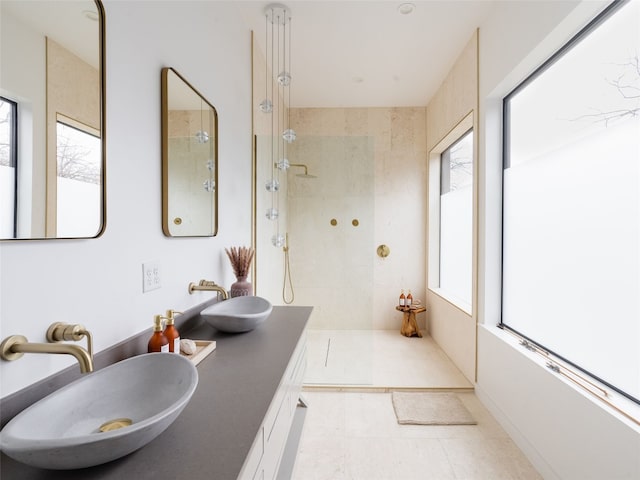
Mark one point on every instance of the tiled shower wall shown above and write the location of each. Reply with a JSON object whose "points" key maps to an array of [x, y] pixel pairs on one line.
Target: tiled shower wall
{"points": [[370, 165]]}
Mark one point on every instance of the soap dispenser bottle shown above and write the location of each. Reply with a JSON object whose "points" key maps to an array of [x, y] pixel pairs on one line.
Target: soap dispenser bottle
{"points": [[158, 341], [171, 332]]}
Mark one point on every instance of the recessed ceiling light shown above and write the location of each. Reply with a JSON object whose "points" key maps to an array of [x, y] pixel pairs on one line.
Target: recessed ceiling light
{"points": [[406, 8]]}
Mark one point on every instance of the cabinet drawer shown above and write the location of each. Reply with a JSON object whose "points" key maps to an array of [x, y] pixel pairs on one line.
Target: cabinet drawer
{"points": [[250, 469], [277, 439]]}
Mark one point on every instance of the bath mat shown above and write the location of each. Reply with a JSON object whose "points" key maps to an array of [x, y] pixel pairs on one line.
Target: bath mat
{"points": [[430, 408]]}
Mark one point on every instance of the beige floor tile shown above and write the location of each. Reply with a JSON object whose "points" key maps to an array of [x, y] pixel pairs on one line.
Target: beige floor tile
{"points": [[327, 417], [355, 435], [424, 458], [378, 358], [320, 458], [395, 459], [494, 459]]}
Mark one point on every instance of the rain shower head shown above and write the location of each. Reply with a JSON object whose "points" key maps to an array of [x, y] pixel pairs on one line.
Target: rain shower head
{"points": [[306, 172]]}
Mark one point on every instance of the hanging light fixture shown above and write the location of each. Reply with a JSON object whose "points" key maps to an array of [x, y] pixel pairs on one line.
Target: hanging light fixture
{"points": [[283, 164], [272, 213], [272, 186], [277, 59], [202, 135]]}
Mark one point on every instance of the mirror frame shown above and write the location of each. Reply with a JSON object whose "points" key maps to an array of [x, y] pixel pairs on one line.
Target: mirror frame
{"points": [[165, 156], [103, 138]]}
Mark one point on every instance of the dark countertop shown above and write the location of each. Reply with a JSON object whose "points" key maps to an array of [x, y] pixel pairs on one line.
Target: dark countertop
{"points": [[214, 433]]}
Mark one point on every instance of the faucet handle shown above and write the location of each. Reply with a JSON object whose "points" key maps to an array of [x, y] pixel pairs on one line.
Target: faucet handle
{"points": [[59, 332]]}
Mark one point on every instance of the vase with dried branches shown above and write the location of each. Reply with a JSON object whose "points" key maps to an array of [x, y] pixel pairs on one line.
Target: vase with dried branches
{"points": [[240, 258]]}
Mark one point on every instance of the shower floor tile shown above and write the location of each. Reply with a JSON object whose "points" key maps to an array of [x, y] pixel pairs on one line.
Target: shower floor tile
{"points": [[378, 359]]}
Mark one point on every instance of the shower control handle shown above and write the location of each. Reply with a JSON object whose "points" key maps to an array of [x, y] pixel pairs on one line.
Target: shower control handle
{"points": [[383, 251]]}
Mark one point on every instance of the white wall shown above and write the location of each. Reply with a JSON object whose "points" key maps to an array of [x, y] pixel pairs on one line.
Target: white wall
{"points": [[564, 432], [454, 103], [99, 282]]}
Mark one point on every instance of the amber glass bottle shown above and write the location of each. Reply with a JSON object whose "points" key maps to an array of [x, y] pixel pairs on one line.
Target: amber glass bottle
{"points": [[158, 342], [171, 332], [409, 300], [402, 299]]}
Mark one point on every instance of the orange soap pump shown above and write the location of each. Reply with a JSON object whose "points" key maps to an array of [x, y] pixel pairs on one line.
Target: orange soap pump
{"points": [[171, 332], [158, 341]]}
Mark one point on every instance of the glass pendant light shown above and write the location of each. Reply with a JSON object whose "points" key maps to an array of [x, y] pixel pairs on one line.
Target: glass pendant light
{"points": [[289, 135], [272, 213], [272, 185], [277, 90], [266, 106], [209, 185], [283, 164], [201, 135], [284, 78], [278, 240]]}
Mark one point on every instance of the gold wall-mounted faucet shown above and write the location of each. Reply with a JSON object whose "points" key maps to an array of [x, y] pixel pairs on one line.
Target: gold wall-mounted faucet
{"points": [[13, 347], [59, 332], [206, 285]]}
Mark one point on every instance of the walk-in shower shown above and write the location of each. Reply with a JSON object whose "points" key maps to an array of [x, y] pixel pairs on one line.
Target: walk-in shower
{"points": [[328, 259]]}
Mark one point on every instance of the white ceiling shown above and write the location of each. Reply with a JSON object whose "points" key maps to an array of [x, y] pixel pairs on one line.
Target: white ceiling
{"points": [[361, 53], [66, 22]]}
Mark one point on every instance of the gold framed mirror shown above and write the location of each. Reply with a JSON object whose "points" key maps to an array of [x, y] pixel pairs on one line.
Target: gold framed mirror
{"points": [[189, 160], [52, 117]]}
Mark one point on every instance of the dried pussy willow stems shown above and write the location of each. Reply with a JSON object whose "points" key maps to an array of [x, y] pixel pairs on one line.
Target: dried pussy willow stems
{"points": [[240, 258]]}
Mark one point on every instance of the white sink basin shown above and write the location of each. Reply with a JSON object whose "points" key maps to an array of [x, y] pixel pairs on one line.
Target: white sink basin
{"points": [[62, 431], [238, 314]]}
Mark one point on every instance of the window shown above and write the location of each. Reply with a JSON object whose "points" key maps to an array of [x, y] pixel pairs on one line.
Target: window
{"points": [[78, 180], [456, 219], [571, 204], [8, 158], [451, 216]]}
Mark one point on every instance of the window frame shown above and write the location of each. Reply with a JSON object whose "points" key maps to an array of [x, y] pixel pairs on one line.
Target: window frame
{"points": [[13, 156], [590, 27]]}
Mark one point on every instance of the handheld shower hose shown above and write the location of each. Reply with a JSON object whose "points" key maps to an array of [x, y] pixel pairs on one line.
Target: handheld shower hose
{"points": [[287, 273]]}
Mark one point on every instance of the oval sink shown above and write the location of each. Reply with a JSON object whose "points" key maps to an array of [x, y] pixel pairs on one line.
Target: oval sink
{"points": [[103, 415], [238, 314]]}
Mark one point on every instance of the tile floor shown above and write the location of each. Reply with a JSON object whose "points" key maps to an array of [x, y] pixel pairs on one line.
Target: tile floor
{"points": [[378, 359], [355, 435], [351, 432]]}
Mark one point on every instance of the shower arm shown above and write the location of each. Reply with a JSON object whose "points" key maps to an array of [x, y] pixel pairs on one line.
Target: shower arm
{"points": [[301, 165]]}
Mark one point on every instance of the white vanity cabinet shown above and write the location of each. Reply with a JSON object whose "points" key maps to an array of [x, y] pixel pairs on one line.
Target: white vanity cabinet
{"points": [[274, 448]]}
